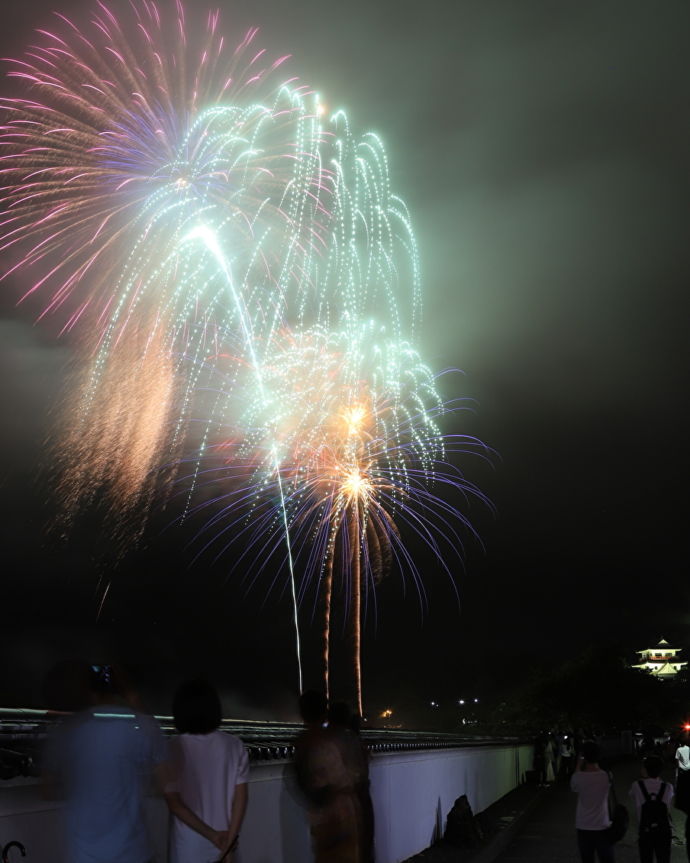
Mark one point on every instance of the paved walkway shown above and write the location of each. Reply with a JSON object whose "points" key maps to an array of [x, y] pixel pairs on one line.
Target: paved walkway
{"points": [[547, 834], [497, 823], [537, 826]]}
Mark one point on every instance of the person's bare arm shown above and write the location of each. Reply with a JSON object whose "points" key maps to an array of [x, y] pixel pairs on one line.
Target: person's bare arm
{"points": [[162, 775], [239, 807], [180, 809]]}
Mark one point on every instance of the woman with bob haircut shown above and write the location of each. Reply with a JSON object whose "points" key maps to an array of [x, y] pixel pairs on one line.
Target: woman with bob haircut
{"points": [[207, 794]]}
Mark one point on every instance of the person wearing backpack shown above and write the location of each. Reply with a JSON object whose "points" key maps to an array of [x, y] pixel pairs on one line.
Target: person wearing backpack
{"points": [[652, 797]]}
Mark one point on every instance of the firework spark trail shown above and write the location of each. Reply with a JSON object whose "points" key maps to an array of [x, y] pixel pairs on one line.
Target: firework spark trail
{"points": [[211, 242], [122, 448], [354, 416], [123, 148], [120, 160], [118, 150], [120, 153], [107, 126]]}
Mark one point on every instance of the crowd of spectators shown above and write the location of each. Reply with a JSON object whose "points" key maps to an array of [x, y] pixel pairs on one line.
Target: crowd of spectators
{"points": [[103, 758]]}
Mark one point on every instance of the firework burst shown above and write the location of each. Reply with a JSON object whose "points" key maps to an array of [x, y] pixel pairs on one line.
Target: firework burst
{"points": [[227, 248]]}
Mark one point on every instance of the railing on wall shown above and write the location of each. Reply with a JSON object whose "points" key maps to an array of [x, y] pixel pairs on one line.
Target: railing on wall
{"points": [[22, 731]]}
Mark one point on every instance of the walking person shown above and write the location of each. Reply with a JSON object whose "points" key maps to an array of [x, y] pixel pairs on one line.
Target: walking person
{"points": [[592, 814], [550, 750], [652, 798], [682, 800], [539, 761], [567, 755], [207, 793]]}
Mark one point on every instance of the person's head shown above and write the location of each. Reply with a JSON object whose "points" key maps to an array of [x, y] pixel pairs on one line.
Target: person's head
{"points": [[107, 684], [590, 752], [652, 765], [339, 715], [196, 708], [313, 707]]}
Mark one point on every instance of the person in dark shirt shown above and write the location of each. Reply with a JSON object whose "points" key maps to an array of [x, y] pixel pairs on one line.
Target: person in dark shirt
{"points": [[344, 727], [328, 787], [102, 759]]}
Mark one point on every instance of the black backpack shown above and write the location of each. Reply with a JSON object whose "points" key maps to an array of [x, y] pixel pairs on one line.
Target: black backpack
{"points": [[654, 813], [462, 829]]}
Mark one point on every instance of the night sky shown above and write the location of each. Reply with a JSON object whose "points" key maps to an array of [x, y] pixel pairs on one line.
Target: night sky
{"points": [[544, 152]]}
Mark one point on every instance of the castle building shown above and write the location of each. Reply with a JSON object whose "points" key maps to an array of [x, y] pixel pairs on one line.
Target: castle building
{"points": [[661, 661]]}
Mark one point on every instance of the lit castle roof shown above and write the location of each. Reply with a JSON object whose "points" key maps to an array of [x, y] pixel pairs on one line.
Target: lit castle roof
{"points": [[661, 660]]}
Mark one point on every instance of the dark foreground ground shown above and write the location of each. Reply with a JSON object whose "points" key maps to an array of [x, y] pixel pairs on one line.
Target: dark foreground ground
{"points": [[534, 825]]}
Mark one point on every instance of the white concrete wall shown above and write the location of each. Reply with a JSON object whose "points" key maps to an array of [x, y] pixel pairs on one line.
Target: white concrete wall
{"points": [[412, 794]]}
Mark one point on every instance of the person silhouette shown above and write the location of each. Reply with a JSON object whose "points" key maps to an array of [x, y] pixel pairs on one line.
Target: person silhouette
{"points": [[103, 757], [592, 814], [344, 727], [207, 793], [328, 787]]}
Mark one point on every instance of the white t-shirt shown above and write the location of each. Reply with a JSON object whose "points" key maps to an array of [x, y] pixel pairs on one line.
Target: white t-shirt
{"points": [[207, 768], [592, 788], [652, 786], [683, 757]]}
